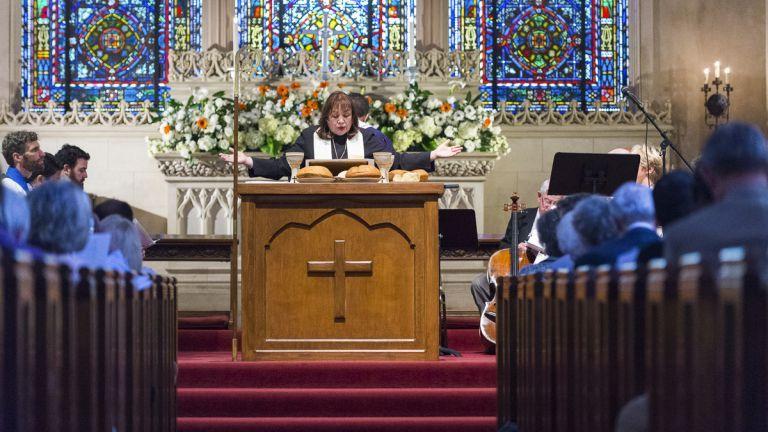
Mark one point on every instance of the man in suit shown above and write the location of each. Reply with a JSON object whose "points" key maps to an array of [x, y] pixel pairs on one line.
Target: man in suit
{"points": [[632, 208], [527, 233], [734, 165]]}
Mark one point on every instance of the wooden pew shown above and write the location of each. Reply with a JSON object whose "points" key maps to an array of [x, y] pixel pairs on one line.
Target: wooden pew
{"points": [[576, 347], [95, 355]]}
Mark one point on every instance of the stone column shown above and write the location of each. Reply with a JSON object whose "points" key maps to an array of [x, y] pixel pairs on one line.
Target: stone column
{"points": [[10, 49], [217, 23], [432, 24]]}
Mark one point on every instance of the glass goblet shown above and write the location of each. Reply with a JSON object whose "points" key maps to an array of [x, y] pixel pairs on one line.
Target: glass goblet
{"points": [[384, 160], [294, 161]]}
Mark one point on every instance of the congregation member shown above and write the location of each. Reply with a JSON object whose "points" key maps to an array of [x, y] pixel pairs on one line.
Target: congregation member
{"points": [[546, 226], [116, 207], [14, 219], [480, 287], [633, 210], [338, 136], [734, 167], [589, 224], [22, 152], [74, 163], [673, 199], [60, 218], [51, 171]]}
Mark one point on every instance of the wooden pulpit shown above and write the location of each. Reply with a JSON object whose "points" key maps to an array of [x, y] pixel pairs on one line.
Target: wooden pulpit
{"points": [[340, 271]]}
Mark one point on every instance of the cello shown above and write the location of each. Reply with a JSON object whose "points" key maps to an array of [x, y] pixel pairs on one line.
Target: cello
{"points": [[501, 265]]}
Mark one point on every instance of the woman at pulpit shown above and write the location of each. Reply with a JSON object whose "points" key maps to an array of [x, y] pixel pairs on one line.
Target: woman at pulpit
{"points": [[338, 136]]}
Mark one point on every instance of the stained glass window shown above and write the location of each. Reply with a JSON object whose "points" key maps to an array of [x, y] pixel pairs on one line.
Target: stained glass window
{"points": [[294, 24], [103, 49], [546, 50]]}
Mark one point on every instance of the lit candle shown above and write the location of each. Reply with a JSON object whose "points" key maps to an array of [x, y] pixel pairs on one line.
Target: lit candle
{"points": [[706, 76], [717, 69], [727, 75]]}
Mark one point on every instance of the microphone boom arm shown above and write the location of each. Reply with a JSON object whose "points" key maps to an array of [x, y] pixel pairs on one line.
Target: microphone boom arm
{"points": [[666, 142]]}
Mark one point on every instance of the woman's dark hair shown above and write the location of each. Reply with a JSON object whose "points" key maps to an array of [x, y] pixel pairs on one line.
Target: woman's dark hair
{"points": [[50, 168], [341, 101]]}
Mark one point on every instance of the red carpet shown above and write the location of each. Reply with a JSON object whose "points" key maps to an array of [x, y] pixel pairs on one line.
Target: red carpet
{"points": [[453, 394]]}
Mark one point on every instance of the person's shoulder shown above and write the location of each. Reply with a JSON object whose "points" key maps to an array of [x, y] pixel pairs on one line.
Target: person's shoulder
{"points": [[10, 184]]}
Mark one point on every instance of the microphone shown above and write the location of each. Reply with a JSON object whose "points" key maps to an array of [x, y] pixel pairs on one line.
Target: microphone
{"points": [[628, 95]]}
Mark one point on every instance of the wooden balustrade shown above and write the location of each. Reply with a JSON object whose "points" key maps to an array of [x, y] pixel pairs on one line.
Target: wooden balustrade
{"points": [[84, 353], [575, 348]]}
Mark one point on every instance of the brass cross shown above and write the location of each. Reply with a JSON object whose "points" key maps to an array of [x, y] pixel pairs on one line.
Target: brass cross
{"points": [[340, 268]]}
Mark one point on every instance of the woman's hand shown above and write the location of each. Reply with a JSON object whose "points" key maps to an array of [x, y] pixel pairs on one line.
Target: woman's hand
{"points": [[444, 151], [241, 158]]}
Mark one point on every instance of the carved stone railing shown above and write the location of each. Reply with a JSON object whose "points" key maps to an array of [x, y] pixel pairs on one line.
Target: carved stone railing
{"points": [[257, 65], [551, 115], [80, 114]]}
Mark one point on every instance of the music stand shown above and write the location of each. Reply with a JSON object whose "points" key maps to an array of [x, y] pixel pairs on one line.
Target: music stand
{"points": [[597, 173], [457, 230]]}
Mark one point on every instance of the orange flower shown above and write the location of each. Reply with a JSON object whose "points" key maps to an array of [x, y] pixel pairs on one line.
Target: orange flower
{"points": [[487, 122], [389, 108], [314, 94], [323, 84], [445, 107], [402, 113], [295, 85], [283, 99], [263, 89], [341, 85], [312, 104], [167, 129], [306, 111], [241, 106], [282, 91], [202, 123], [369, 99]]}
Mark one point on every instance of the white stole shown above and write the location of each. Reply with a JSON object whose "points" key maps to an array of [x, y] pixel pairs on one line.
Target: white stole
{"points": [[355, 147]]}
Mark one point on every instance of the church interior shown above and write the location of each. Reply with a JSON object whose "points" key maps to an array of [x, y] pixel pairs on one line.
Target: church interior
{"points": [[384, 215]]}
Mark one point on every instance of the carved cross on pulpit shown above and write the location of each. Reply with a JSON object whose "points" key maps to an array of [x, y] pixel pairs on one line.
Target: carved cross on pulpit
{"points": [[340, 268]]}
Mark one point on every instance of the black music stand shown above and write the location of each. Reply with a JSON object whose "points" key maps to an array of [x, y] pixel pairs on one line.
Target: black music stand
{"points": [[597, 173], [457, 230]]}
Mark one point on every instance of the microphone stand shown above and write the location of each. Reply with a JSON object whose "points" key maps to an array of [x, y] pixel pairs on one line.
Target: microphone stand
{"points": [[665, 141]]}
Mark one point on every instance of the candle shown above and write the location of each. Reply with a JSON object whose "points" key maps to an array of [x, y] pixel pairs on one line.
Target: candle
{"points": [[706, 76], [235, 35], [717, 69], [727, 75]]}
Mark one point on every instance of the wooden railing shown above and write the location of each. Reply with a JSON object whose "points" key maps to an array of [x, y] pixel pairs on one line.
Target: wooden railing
{"points": [[97, 354], [574, 348]]}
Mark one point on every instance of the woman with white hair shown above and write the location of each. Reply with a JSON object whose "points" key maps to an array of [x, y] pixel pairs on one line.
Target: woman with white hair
{"points": [[14, 218], [588, 225], [61, 220]]}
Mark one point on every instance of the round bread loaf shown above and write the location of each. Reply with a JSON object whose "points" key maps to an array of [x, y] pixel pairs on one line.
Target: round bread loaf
{"points": [[314, 171], [406, 177], [393, 173], [363, 171], [423, 175]]}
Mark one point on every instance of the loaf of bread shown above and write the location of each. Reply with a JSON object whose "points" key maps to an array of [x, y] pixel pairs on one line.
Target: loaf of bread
{"points": [[393, 173], [314, 171], [363, 171], [406, 177], [423, 176]]}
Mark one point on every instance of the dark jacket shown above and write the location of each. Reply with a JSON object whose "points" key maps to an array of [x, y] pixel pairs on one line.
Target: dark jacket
{"points": [[372, 141], [608, 252], [524, 227]]}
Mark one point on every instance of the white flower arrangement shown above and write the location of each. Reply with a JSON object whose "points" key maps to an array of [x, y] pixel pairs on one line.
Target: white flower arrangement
{"points": [[463, 122], [271, 119]]}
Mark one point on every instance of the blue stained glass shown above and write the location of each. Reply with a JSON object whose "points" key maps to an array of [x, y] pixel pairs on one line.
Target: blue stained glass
{"points": [[546, 50]]}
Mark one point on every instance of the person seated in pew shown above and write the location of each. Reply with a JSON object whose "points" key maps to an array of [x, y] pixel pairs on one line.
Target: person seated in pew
{"points": [[14, 220], [734, 166], [22, 152], [125, 253], [674, 198], [546, 226], [632, 209], [339, 137], [116, 207], [50, 171], [589, 224]]}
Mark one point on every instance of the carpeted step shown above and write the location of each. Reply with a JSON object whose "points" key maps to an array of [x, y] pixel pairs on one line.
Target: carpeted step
{"points": [[338, 424], [399, 402], [215, 370]]}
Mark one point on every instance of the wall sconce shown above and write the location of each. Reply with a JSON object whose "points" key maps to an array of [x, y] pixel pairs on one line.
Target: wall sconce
{"points": [[717, 105]]}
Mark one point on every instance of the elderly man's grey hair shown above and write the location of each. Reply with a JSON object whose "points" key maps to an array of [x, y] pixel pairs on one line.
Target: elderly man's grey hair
{"points": [[633, 203], [544, 188], [14, 215], [588, 225], [61, 217], [123, 237]]}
